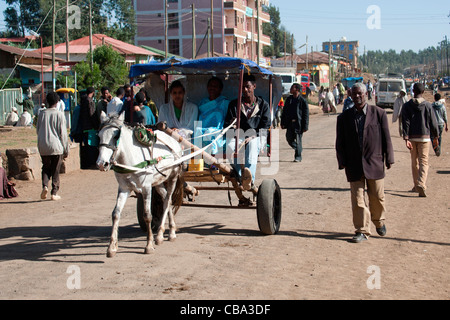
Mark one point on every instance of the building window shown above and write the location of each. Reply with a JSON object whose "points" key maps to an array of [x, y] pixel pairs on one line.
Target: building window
{"points": [[173, 20], [342, 47], [350, 47], [327, 48], [334, 47], [174, 46], [172, 1], [350, 57]]}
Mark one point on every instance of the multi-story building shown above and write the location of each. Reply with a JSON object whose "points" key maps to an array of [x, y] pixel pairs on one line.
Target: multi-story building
{"points": [[234, 25], [343, 48]]}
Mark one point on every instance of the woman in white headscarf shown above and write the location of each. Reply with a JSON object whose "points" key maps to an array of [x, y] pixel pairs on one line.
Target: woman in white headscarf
{"points": [[179, 114]]}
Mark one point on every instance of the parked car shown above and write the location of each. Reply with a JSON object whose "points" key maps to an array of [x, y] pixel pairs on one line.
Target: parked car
{"points": [[313, 87]]}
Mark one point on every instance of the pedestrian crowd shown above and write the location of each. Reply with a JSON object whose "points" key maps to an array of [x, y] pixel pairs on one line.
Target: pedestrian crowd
{"points": [[363, 142]]}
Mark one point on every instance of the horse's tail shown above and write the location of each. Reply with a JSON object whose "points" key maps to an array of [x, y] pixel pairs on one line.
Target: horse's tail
{"points": [[178, 195]]}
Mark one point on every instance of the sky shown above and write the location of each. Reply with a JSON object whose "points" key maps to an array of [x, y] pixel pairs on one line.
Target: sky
{"points": [[376, 24]]}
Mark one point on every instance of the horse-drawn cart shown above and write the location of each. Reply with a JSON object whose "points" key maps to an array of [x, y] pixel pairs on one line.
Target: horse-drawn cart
{"points": [[155, 173], [195, 74]]}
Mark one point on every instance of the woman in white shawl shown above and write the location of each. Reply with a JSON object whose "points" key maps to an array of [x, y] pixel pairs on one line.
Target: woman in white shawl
{"points": [[179, 114]]}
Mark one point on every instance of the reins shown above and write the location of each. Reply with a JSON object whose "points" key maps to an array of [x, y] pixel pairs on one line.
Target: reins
{"points": [[147, 165]]}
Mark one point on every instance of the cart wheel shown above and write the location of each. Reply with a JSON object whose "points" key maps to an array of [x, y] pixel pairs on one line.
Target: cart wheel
{"points": [[157, 206], [269, 207]]}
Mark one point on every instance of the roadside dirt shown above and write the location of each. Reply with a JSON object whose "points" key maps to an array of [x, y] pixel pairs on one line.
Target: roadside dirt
{"points": [[220, 253]]}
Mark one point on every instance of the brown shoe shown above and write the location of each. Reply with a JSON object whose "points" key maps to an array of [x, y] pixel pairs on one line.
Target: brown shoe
{"points": [[421, 191]]}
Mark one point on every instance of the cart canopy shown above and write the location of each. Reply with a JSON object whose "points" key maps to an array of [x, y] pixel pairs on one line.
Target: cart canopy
{"points": [[199, 66], [196, 73]]}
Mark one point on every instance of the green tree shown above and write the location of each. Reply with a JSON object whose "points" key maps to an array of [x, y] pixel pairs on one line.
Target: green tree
{"points": [[109, 69], [115, 18], [19, 16], [276, 32]]}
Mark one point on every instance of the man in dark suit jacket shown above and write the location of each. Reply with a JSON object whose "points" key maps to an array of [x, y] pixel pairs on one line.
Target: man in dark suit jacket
{"points": [[364, 147], [295, 120]]}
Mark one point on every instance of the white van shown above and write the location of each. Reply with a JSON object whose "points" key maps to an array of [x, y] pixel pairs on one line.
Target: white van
{"points": [[287, 79], [387, 91]]}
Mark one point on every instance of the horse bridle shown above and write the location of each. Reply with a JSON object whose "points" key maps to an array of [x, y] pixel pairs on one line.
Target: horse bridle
{"points": [[115, 147]]}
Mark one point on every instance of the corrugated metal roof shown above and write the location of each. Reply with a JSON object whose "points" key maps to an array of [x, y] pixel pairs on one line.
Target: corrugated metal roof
{"points": [[37, 67], [26, 53], [82, 46]]}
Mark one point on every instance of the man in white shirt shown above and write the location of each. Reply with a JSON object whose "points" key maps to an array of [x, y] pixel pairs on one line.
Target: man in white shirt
{"points": [[115, 106], [25, 120], [61, 106], [12, 118]]}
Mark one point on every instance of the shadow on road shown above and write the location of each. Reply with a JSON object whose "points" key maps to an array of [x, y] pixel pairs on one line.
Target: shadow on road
{"points": [[47, 243]]}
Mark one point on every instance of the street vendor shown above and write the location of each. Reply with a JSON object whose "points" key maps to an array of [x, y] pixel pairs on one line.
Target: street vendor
{"points": [[255, 116], [212, 111], [179, 114]]}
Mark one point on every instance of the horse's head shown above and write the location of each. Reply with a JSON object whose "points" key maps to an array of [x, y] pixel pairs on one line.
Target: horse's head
{"points": [[109, 135]]}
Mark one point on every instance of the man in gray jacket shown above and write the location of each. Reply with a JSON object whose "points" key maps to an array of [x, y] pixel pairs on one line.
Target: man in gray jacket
{"points": [[419, 128], [53, 144]]}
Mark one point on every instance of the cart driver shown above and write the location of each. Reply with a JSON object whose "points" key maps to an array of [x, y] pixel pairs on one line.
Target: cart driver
{"points": [[255, 116]]}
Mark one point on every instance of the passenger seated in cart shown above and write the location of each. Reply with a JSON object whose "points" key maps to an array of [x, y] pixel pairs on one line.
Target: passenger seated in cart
{"points": [[212, 111], [255, 115], [142, 113], [179, 114]]}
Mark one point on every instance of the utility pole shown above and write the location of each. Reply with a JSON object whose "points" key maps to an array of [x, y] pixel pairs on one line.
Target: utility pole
{"points": [[258, 45], [91, 61], [446, 49], [285, 63], [329, 64], [252, 40], [307, 53], [212, 28], [292, 50], [209, 37], [53, 47], [67, 31], [194, 39], [166, 41]]}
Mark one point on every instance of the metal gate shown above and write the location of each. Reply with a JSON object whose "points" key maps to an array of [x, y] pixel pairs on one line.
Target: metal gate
{"points": [[8, 100]]}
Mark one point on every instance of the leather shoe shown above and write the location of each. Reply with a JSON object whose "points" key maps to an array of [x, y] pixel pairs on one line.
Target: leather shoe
{"points": [[382, 231], [421, 191], [359, 237]]}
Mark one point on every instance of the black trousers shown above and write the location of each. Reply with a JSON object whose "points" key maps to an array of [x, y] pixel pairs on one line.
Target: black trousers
{"points": [[51, 165], [295, 141]]}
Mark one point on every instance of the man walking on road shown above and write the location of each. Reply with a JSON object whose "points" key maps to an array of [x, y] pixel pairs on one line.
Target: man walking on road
{"points": [[295, 120], [52, 144], [363, 147], [419, 123]]}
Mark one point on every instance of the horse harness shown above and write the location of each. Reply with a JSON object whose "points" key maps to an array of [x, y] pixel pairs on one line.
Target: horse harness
{"points": [[146, 137]]}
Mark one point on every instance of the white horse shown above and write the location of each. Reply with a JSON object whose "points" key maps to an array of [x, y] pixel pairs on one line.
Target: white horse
{"points": [[138, 168]]}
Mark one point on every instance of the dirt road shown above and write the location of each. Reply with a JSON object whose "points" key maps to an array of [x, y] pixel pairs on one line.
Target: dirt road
{"points": [[57, 250]]}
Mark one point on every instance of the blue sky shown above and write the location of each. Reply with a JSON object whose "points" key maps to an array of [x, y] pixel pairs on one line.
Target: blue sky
{"points": [[403, 25], [396, 24]]}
